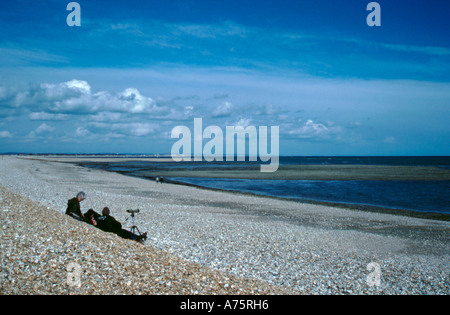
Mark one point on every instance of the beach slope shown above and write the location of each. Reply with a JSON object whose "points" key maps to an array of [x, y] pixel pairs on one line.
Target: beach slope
{"points": [[203, 241]]}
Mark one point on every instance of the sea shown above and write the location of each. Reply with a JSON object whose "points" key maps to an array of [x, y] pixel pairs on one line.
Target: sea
{"points": [[422, 196]]}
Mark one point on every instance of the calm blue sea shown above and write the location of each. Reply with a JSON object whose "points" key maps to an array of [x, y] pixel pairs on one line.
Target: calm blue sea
{"points": [[421, 196], [425, 196]]}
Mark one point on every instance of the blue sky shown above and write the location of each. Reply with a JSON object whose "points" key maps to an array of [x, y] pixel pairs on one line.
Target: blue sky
{"points": [[135, 69]]}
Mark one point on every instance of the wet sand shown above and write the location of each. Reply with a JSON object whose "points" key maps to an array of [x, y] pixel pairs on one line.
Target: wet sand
{"points": [[285, 172], [323, 172]]}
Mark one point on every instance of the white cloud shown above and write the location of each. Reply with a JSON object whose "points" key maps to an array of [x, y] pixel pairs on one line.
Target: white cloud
{"points": [[14, 55], [223, 110], [139, 129], [136, 129], [55, 101], [213, 31], [428, 50], [106, 116], [356, 108], [82, 132], [5, 134], [312, 129], [70, 88], [10, 97], [79, 85], [43, 129], [243, 122], [47, 116], [134, 102]]}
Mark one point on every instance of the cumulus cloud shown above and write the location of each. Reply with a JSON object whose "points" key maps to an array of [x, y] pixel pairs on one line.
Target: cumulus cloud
{"points": [[82, 132], [47, 116], [73, 110], [53, 101], [64, 97], [137, 129], [78, 85], [106, 117], [134, 102], [10, 97], [44, 128], [311, 129], [223, 110], [243, 122], [5, 134]]}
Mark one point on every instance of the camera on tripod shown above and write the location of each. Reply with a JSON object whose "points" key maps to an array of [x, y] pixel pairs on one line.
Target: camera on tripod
{"points": [[133, 212], [134, 228]]}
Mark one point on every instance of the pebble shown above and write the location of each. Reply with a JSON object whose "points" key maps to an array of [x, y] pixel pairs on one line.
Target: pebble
{"points": [[33, 263], [203, 242]]}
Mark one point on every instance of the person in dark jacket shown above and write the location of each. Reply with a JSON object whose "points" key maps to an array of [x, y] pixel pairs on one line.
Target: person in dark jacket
{"points": [[73, 206], [91, 217], [108, 223]]}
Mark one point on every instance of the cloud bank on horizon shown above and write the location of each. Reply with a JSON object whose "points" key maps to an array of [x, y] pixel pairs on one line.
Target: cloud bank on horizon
{"points": [[131, 72]]}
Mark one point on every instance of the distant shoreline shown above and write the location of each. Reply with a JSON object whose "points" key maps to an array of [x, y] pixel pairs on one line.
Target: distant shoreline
{"points": [[284, 172]]}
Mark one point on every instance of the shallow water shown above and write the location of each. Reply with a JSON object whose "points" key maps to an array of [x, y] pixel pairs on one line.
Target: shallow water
{"points": [[424, 196], [416, 195]]}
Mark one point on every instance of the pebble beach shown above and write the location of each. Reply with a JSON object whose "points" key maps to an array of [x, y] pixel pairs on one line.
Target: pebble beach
{"points": [[202, 241]]}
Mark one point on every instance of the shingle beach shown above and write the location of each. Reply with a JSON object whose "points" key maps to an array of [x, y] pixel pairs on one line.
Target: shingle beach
{"points": [[202, 241]]}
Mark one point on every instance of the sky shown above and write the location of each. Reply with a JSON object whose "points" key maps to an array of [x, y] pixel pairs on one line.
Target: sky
{"points": [[134, 70]]}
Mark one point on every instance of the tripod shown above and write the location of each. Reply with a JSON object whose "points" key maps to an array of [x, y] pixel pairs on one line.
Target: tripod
{"points": [[134, 229]]}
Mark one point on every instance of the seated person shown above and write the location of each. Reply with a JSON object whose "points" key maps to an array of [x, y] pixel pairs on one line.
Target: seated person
{"points": [[73, 206], [91, 217]]}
